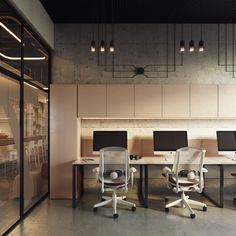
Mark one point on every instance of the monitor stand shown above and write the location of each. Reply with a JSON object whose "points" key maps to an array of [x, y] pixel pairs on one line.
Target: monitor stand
{"points": [[168, 156], [231, 156]]}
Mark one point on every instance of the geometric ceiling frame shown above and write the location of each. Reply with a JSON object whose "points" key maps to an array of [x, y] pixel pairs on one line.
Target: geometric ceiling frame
{"points": [[129, 70], [229, 65]]}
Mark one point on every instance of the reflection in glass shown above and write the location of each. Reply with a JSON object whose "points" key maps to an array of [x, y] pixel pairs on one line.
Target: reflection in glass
{"points": [[35, 61], [35, 144], [10, 33], [9, 152]]}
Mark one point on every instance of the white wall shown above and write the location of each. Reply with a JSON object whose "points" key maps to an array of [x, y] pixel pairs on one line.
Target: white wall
{"points": [[34, 13]]}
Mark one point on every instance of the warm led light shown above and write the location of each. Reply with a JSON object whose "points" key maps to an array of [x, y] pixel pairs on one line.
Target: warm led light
{"points": [[10, 32], [182, 46], [93, 46], [112, 46], [201, 46], [30, 85], [45, 88], [102, 46], [25, 58], [191, 46]]}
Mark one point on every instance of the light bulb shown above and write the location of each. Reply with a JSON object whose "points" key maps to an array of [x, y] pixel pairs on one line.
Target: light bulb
{"points": [[201, 46], [182, 46], [102, 46], [191, 46], [112, 46], [93, 46]]}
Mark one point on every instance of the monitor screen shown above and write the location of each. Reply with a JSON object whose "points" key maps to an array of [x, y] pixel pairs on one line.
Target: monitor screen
{"points": [[103, 139], [226, 140], [169, 141]]}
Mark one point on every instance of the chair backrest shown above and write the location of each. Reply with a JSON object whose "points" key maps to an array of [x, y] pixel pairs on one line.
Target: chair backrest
{"points": [[189, 159], [114, 159]]}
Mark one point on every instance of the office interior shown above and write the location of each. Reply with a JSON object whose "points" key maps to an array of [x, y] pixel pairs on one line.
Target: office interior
{"points": [[67, 71]]}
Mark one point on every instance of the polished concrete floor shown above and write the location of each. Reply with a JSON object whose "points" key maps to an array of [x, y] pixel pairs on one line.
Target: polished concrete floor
{"points": [[56, 217]]}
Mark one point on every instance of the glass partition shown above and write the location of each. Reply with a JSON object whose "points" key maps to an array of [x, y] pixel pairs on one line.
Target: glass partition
{"points": [[9, 152], [35, 144], [22, 160]]}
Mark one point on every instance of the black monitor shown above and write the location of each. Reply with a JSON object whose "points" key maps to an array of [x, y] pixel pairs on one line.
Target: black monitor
{"points": [[226, 141], [103, 139], [167, 142]]}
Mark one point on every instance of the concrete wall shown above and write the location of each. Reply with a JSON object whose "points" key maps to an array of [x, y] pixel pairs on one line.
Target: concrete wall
{"points": [[141, 45], [37, 17]]}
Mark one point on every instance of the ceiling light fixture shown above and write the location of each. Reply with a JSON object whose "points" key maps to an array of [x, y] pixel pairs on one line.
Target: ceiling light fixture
{"points": [[25, 58], [93, 46], [30, 85], [201, 42], [102, 46], [191, 43], [10, 32], [182, 43], [112, 46]]}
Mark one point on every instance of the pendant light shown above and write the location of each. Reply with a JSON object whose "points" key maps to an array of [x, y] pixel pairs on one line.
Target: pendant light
{"points": [[102, 46], [93, 46], [112, 46], [182, 43], [201, 42], [191, 43]]}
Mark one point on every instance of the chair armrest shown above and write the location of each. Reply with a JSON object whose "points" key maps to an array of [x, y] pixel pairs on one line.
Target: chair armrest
{"points": [[95, 170], [166, 171], [204, 170], [132, 171]]}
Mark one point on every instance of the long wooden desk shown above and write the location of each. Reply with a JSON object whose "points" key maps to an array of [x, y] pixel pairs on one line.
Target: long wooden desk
{"points": [[143, 164]]}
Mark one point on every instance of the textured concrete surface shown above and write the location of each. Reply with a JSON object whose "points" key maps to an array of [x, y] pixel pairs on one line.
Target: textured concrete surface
{"points": [[141, 45], [58, 218]]}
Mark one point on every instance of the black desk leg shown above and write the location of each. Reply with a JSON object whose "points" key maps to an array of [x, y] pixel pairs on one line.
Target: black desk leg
{"points": [[82, 180], [221, 186], [141, 179], [146, 185], [74, 186], [221, 192]]}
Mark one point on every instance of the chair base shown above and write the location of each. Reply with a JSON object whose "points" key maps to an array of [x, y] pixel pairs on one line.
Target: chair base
{"points": [[114, 200], [184, 201]]}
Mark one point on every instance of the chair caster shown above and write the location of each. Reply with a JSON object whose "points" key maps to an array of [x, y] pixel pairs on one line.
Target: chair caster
{"points": [[95, 209], [192, 216], [115, 216], [204, 208], [167, 209], [133, 208]]}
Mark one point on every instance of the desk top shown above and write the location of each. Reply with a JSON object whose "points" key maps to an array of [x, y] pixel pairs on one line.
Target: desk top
{"points": [[158, 160]]}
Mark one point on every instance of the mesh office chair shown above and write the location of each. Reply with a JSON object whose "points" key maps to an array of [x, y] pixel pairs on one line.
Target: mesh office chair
{"points": [[114, 174], [234, 175], [186, 175]]}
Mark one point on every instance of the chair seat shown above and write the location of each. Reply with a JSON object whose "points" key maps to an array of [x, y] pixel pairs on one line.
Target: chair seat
{"points": [[117, 183], [183, 181]]}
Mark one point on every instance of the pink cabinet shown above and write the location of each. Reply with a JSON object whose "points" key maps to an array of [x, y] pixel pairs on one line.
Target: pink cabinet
{"points": [[176, 101], [120, 101], [92, 101], [148, 101], [203, 101], [227, 101]]}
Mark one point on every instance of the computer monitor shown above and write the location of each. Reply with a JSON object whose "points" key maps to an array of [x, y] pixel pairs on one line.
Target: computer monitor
{"points": [[167, 142], [103, 139], [226, 141]]}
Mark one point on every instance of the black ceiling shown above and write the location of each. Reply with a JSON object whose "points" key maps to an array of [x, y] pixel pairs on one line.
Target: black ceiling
{"points": [[141, 11]]}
